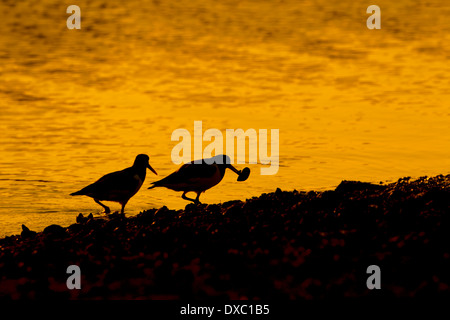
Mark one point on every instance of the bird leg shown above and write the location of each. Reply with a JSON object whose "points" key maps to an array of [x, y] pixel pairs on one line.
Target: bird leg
{"points": [[123, 207], [197, 201], [190, 199], [107, 210]]}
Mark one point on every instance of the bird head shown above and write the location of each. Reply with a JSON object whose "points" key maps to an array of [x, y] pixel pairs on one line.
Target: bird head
{"points": [[225, 162], [221, 160], [142, 162]]}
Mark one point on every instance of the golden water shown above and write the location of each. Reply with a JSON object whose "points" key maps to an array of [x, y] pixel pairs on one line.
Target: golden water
{"points": [[350, 103]]}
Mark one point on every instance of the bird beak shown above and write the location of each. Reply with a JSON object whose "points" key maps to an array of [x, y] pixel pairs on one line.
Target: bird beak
{"points": [[234, 169], [150, 167]]}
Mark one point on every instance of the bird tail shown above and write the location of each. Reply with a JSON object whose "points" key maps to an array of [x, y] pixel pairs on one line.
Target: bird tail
{"points": [[78, 193], [152, 186]]}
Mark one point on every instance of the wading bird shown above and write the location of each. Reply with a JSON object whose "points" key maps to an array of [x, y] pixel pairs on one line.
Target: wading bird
{"points": [[118, 186], [199, 177]]}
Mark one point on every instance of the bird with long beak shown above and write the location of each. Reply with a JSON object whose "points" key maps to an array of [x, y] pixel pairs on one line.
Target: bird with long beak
{"points": [[199, 176], [118, 186]]}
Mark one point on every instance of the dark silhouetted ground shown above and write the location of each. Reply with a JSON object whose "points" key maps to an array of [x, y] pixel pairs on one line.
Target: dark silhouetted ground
{"points": [[282, 245]]}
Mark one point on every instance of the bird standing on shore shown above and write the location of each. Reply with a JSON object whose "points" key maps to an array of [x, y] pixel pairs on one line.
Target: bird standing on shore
{"points": [[118, 186], [199, 177]]}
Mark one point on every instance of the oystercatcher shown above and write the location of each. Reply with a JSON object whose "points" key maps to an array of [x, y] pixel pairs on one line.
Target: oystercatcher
{"points": [[199, 177], [118, 186]]}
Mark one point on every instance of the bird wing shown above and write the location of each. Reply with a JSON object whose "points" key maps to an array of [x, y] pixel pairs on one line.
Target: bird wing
{"points": [[117, 185], [188, 173]]}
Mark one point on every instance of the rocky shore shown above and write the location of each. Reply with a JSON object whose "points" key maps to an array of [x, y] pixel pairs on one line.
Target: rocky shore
{"points": [[281, 245]]}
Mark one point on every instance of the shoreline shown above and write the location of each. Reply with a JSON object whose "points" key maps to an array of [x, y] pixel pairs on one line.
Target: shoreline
{"points": [[280, 245]]}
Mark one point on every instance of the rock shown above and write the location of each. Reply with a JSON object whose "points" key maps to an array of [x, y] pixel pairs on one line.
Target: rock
{"points": [[115, 215], [161, 211], [55, 230], [75, 228], [27, 233], [146, 217], [234, 211], [352, 186], [81, 218], [190, 207], [196, 209], [212, 208]]}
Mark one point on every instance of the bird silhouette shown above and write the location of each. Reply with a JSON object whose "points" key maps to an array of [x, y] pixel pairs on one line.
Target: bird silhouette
{"points": [[118, 186], [199, 176]]}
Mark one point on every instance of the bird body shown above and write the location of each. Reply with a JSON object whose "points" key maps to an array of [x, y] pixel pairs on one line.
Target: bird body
{"points": [[192, 177], [197, 176], [118, 186]]}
